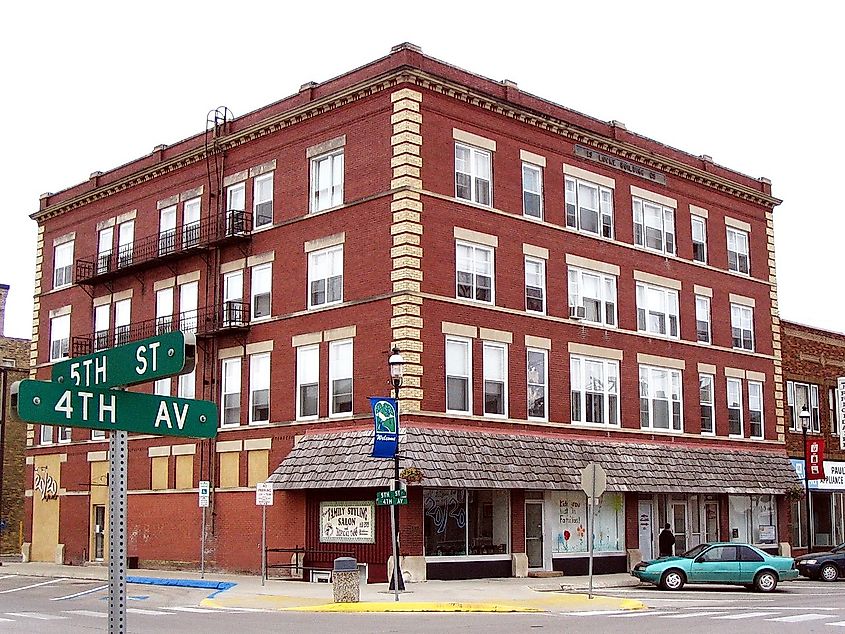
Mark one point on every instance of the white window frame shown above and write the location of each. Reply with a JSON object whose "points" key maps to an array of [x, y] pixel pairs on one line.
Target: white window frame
{"points": [[329, 197], [812, 406], [699, 225], [733, 389], [122, 321], [259, 381], [125, 243], [60, 337], [575, 206], [261, 285], [167, 230], [186, 385], [191, 222], [473, 271], [164, 310], [98, 434], [645, 311], [711, 379], [666, 226], [673, 378], [460, 374], [233, 297], [163, 387], [740, 255], [64, 435], [322, 268], [539, 283], [606, 300], [337, 372], [102, 323], [702, 315], [307, 374], [105, 244], [475, 173], [63, 264], [832, 411], [236, 197], [188, 306], [540, 382], [530, 170], [230, 372], [577, 377], [755, 404], [45, 436], [742, 320], [258, 200], [500, 350]]}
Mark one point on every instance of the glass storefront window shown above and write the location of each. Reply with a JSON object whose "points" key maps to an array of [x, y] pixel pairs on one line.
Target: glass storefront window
{"points": [[461, 522], [753, 519], [569, 522]]}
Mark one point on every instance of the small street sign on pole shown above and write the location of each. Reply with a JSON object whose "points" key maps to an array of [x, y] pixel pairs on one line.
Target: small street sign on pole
{"points": [[394, 497], [264, 498], [593, 483]]}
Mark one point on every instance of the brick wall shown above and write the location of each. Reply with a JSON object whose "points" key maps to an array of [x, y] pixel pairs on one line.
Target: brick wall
{"points": [[14, 446]]}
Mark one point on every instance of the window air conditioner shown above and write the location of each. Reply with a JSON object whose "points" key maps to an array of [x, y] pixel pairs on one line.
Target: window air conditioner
{"points": [[577, 312]]}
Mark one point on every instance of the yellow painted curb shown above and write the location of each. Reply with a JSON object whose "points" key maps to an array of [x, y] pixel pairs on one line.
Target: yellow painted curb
{"points": [[415, 607]]}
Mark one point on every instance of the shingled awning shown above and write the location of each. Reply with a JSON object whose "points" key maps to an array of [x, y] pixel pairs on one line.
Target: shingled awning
{"points": [[476, 459]]}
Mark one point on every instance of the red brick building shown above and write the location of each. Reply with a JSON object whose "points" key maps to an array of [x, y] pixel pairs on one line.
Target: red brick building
{"points": [[562, 291], [813, 362]]}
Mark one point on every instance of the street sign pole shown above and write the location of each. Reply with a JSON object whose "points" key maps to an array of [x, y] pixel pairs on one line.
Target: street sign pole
{"points": [[202, 547], [118, 455], [395, 552], [263, 543], [591, 527]]}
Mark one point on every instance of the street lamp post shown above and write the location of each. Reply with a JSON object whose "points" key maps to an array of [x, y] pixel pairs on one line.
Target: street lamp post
{"points": [[805, 425], [395, 362]]}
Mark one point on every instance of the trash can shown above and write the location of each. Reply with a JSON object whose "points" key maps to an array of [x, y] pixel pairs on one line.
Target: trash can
{"points": [[345, 580]]}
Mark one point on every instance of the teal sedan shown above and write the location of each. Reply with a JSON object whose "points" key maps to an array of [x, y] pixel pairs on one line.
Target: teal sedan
{"points": [[728, 563]]}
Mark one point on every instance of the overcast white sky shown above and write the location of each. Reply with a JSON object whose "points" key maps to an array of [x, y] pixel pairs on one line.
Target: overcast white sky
{"points": [[757, 85]]}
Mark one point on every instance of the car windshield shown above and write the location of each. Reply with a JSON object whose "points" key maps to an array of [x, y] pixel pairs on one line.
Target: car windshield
{"points": [[692, 553]]}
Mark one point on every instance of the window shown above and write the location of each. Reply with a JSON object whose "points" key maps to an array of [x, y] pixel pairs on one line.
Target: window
{"points": [[532, 191], [188, 300], [63, 264], [162, 387], [325, 277], [122, 312], [231, 399], [755, 518], [473, 176], [699, 239], [538, 387], [327, 181], [186, 384], [98, 434], [661, 406], [262, 200], [64, 434], [191, 223], [259, 388], [592, 296], [104, 249], [742, 326], [657, 310], [594, 390], [340, 377], [234, 312], [125, 242], [59, 337], [101, 327], [705, 397], [702, 318], [261, 279], [495, 379], [459, 375], [167, 230], [164, 310], [654, 226], [738, 251], [589, 207], [755, 407], [535, 285], [799, 396], [734, 407], [465, 522], [832, 411], [474, 272], [46, 435], [7, 363], [307, 382], [235, 205]]}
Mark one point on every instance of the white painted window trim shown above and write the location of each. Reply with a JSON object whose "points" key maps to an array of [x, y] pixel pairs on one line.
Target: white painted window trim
{"points": [[475, 248], [606, 364], [226, 389], [668, 293], [45, 436], [502, 349], [256, 183], [254, 360], [575, 277], [742, 313], [738, 236], [301, 351], [545, 354], [704, 301], [702, 223], [712, 404], [606, 206], [65, 249], [468, 376], [253, 294], [638, 204], [474, 174], [670, 374], [759, 386], [60, 323], [536, 169], [336, 375], [313, 256], [541, 264], [738, 383], [314, 185]]}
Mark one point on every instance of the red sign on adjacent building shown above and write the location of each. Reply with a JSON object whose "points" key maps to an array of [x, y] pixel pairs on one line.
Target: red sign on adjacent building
{"points": [[814, 451]]}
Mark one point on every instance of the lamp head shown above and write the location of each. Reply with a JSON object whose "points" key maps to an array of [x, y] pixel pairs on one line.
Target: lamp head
{"points": [[396, 363], [805, 418]]}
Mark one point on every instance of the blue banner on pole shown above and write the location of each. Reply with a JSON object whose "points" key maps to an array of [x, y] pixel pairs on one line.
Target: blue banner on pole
{"points": [[386, 431]]}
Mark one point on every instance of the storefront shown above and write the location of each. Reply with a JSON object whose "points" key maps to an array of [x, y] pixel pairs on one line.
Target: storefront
{"points": [[827, 506]]}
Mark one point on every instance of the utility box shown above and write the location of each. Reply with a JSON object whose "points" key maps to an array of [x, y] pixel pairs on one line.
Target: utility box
{"points": [[345, 580]]}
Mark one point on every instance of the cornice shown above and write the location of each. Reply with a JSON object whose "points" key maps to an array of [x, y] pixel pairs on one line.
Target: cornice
{"points": [[386, 81]]}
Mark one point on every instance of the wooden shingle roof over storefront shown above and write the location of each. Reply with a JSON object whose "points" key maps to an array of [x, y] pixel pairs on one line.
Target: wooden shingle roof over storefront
{"points": [[472, 459]]}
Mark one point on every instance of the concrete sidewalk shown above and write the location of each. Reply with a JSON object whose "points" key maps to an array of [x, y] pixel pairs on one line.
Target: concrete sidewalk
{"points": [[478, 595]]}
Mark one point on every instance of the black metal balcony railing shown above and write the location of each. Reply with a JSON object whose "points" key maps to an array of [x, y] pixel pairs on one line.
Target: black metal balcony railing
{"points": [[204, 322], [166, 245]]}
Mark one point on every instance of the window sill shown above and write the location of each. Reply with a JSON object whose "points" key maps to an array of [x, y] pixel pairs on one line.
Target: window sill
{"points": [[433, 559], [667, 432], [594, 425]]}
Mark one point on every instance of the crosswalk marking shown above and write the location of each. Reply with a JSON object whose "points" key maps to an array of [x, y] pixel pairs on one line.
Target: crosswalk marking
{"points": [[632, 614], [838, 624], [36, 615], [197, 610], [596, 612], [79, 594], [147, 612], [686, 615], [99, 615], [744, 615], [798, 618], [7, 620], [34, 585]]}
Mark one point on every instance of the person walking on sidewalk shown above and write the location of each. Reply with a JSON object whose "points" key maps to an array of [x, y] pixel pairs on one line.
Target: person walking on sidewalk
{"points": [[666, 541]]}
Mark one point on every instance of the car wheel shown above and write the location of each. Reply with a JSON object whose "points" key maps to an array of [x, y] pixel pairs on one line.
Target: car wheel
{"points": [[829, 572], [672, 580], [766, 581]]}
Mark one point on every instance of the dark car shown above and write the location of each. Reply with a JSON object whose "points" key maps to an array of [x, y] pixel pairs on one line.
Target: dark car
{"points": [[827, 566]]}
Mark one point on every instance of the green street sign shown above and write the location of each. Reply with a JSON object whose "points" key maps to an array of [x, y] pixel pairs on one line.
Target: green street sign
{"points": [[392, 498], [51, 403], [137, 362]]}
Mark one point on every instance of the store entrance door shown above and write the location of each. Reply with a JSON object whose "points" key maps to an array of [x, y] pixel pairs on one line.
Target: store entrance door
{"points": [[534, 533], [99, 532], [711, 521], [645, 521]]}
